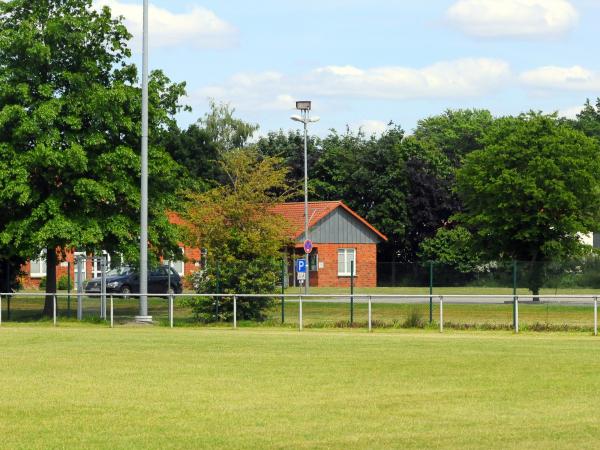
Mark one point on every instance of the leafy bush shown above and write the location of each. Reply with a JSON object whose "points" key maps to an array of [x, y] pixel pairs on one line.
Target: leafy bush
{"points": [[63, 283], [414, 319], [242, 236], [258, 276]]}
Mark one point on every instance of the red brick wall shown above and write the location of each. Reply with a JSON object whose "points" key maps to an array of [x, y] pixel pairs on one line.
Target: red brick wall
{"points": [[366, 266], [192, 256], [33, 283]]}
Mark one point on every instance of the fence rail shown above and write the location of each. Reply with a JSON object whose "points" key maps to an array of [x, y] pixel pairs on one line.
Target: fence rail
{"points": [[374, 303]]}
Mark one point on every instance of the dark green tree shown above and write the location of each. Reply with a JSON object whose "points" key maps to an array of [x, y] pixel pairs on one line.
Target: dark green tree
{"points": [[588, 120], [368, 175], [430, 201], [530, 191], [290, 148], [70, 133], [456, 133], [451, 247], [200, 147]]}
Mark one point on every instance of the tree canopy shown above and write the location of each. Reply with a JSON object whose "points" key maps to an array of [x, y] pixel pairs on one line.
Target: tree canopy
{"points": [[242, 236], [531, 190], [70, 130]]}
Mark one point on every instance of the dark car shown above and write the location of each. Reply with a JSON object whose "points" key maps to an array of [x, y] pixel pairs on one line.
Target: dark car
{"points": [[126, 280]]}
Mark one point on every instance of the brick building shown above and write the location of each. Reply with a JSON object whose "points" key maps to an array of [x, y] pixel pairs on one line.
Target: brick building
{"points": [[340, 237]]}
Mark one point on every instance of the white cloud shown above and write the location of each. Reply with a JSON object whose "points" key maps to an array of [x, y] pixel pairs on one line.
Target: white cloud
{"points": [[199, 27], [250, 91], [446, 79], [371, 127], [561, 78], [513, 18], [276, 91], [570, 112]]}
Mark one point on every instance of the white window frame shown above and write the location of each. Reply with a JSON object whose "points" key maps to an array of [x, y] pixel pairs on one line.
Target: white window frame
{"points": [[83, 265], [41, 261], [345, 252], [96, 269], [174, 264]]}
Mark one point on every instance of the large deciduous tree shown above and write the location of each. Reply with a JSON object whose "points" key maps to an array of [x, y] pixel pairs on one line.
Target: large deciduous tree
{"points": [[368, 174], [530, 191], [588, 119], [241, 234], [456, 133], [70, 133], [199, 148], [290, 147]]}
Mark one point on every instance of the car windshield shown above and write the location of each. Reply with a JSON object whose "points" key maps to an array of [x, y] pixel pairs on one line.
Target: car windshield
{"points": [[119, 271]]}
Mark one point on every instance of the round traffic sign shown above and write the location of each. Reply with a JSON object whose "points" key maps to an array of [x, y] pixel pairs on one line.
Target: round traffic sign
{"points": [[308, 246]]}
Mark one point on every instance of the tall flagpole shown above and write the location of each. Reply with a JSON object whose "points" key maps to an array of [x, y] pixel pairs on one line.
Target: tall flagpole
{"points": [[143, 316]]}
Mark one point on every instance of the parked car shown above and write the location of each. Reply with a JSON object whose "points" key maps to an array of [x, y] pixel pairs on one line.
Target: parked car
{"points": [[126, 280]]}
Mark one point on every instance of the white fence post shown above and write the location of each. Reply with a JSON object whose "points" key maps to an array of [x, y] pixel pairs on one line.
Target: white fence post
{"points": [[595, 316], [112, 322], [0, 310], [441, 314], [171, 309], [300, 314], [516, 314], [234, 312], [54, 309], [370, 316]]}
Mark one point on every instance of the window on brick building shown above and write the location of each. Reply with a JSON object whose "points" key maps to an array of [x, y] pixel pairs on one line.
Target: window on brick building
{"points": [[179, 264], [346, 256], [313, 262], [37, 267]]}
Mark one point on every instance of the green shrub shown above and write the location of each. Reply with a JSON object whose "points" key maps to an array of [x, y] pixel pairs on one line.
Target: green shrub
{"points": [[63, 283], [257, 277], [414, 319]]}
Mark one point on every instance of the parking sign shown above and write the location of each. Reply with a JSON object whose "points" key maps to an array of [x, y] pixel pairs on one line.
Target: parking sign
{"points": [[300, 266]]}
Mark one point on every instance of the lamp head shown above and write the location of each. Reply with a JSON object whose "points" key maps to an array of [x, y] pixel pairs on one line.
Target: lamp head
{"points": [[297, 118]]}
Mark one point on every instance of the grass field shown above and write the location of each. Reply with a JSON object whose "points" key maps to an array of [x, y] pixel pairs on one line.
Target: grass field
{"points": [[83, 386]]}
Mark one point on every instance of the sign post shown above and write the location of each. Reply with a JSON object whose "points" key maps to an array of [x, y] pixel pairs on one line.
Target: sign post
{"points": [[308, 246], [301, 270]]}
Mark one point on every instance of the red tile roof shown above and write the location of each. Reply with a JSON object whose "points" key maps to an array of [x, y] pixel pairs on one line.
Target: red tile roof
{"points": [[294, 214]]}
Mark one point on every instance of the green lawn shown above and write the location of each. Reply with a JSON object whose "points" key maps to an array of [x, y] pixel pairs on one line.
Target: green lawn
{"points": [[85, 386]]}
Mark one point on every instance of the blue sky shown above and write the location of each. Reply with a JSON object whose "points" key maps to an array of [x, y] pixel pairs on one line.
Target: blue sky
{"points": [[364, 63]]}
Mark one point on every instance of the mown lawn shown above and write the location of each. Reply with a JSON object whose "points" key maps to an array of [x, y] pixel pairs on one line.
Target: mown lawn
{"points": [[84, 386]]}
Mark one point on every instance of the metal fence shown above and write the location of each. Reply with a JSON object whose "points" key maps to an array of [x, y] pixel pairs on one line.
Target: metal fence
{"points": [[499, 312], [553, 276]]}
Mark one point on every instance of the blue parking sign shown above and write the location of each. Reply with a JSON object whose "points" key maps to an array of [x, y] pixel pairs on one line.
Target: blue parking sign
{"points": [[300, 266]]}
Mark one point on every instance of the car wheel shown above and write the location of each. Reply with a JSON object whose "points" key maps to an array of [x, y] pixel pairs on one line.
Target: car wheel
{"points": [[125, 290]]}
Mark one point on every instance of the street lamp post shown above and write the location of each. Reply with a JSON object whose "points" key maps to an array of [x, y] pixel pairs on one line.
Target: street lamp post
{"points": [[304, 118], [143, 316]]}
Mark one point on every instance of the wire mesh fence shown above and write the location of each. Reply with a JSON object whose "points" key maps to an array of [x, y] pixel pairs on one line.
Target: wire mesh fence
{"points": [[574, 276], [481, 312]]}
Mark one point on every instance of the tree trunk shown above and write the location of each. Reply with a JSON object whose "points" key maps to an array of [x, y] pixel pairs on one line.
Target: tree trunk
{"points": [[536, 279], [5, 277], [50, 280]]}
